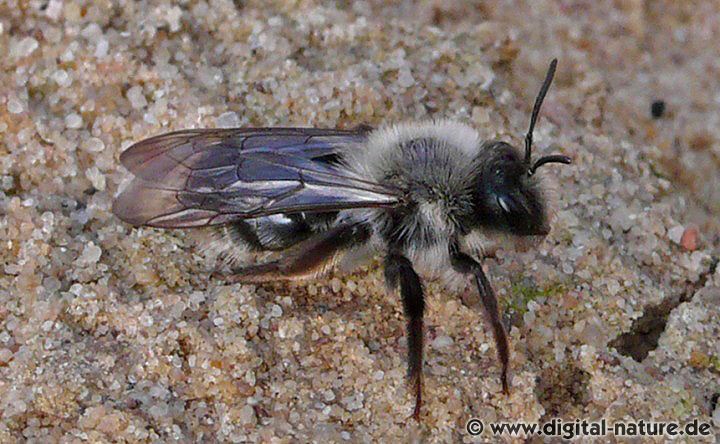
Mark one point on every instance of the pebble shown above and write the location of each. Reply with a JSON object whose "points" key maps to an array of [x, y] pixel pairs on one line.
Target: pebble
{"points": [[442, 341], [101, 48], [227, 119], [275, 311], [676, 233], [23, 47], [5, 355], [621, 219], [54, 9], [247, 415], [405, 78], [15, 106], [73, 121], [354, 402], [689, 239], [172, 16], [136, 97], [62, 78], [93, 145], [96, 178], [336, 285], [90, 255]]}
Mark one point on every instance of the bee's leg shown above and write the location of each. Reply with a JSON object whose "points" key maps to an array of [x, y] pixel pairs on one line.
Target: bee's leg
{"points": [[310, 257], [400, 273], [465, 264]]}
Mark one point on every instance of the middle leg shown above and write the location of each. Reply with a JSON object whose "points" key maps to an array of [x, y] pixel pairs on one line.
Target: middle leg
{"points": [[399, 272]]}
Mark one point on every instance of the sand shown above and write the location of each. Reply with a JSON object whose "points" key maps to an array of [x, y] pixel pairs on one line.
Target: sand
{"points": [[115, 334]]}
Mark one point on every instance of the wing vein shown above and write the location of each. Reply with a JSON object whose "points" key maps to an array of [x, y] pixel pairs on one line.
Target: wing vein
{"points": [[203, 177]]}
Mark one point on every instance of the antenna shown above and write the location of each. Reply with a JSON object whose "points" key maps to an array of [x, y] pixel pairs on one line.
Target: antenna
{"points": [[557, 158], [536, 108]]}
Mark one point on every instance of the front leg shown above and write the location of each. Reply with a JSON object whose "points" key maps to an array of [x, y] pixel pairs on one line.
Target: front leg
{"points": [[399, 272], [465, 264]]}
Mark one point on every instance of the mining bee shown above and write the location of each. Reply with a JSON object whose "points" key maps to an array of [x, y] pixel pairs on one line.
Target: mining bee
{"points": [[424, 195]]}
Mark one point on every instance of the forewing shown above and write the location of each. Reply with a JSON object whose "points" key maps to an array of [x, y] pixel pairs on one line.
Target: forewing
{"points": [[206, 177]]}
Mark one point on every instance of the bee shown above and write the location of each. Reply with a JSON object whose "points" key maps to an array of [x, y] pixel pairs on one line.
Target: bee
{"points": [[423, 195]]}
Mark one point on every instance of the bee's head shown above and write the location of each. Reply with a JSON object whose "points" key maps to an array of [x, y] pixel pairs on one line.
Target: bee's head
{"points": [[507, 195]]}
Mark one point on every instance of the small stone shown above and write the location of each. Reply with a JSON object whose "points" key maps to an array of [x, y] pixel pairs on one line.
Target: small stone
{"points": [[675, 233], [110, 424], [621, 219], [24, 47], [689, 239], [5, 356], [136, 97], [159, 410], [62, 78], [354, 402], [7, 183], [91, 31], [657, 109], [90, 254], [14, 106], [172, 17], [247, 415], [73, 121], [613, 287], [101, 48], [93, 145], [275, 311], [442, 342], [147, 320], [210, 76], [405, 78], [54, 9], [336, 285], [96, 178], [227, 119], [699, 360]]}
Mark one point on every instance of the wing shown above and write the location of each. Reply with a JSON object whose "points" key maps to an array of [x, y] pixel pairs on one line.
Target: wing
{"points": [[213, 176]]}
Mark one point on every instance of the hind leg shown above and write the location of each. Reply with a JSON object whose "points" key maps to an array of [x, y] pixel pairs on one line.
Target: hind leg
{"points": [[311, 257]]}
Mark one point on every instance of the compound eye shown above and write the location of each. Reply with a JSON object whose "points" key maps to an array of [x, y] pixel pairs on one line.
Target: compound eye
{"points": [[508, 158], [504, 203]]}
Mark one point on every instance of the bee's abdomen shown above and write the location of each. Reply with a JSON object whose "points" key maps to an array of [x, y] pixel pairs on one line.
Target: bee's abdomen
{"points": [[276, 232]]}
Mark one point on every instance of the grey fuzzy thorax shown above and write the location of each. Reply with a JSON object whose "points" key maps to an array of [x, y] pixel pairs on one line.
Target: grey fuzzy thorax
{"points": [[434, 171]]}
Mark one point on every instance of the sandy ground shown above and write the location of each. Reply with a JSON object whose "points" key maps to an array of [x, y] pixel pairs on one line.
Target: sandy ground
{"points": [[109, 333]]}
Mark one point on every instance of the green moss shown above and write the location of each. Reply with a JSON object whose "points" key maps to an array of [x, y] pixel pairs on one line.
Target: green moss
{"points": [[715, 363], [522, 294], [656, 171], [684, 408]]}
